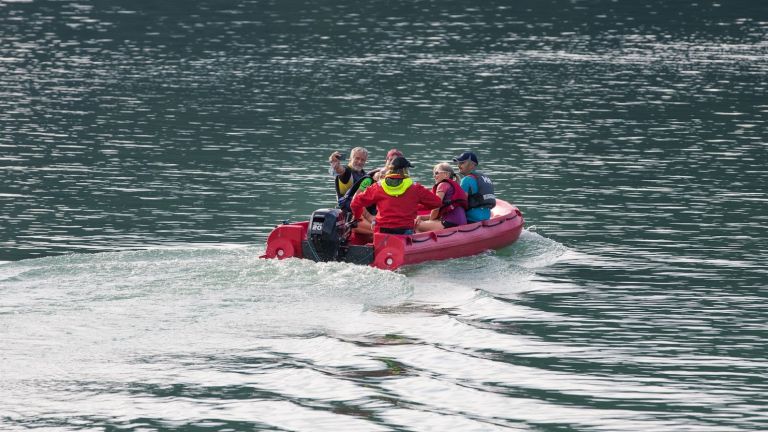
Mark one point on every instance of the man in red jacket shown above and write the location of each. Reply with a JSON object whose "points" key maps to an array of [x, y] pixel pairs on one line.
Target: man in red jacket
{"points": [[397, 199]]}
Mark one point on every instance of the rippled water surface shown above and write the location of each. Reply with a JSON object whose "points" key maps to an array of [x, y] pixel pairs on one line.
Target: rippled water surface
{"points": [[148, 148]]}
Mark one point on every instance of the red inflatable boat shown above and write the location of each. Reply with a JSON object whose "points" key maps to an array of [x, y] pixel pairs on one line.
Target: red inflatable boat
{"points": [[325, 237]]}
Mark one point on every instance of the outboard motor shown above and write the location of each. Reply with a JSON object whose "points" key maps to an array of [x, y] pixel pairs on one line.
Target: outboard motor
{"points": [[327, 235]]}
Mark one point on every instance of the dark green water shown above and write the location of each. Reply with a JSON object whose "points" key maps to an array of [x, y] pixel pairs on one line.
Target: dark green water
{"points": [[148, 148]]}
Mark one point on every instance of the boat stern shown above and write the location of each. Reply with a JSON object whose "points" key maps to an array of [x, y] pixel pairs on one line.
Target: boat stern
{"points": [[285, 241]]}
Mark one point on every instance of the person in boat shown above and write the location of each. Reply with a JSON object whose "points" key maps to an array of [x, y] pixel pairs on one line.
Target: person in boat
{"points": [[349, 179], [361, 182], [345, 176], [364, 226], [452, 212], [478, 186], [391, 155], [397, 199]]}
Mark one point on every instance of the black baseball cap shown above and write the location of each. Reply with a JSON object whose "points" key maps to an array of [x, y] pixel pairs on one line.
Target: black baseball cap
{"points": [[400, 162], [466, 155]]}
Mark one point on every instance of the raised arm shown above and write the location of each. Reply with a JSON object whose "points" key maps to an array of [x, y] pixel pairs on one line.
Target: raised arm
{"points": [[335, 160]]}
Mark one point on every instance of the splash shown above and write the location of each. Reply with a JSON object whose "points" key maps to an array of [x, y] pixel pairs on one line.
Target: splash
{"points": [[507, 271]]}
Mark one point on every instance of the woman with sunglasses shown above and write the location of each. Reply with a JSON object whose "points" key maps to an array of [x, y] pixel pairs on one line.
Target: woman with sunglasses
{"points": [[452, 211]]}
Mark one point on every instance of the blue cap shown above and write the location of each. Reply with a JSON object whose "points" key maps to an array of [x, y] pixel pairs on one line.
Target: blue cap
{"points": [[466, 155]]}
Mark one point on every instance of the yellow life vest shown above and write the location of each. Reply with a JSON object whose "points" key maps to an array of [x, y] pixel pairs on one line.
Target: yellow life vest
{"points": [[398, 190], [343, 187]]}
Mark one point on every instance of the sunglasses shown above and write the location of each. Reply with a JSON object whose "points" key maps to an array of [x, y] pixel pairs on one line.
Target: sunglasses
{"points": [[434, 174]]}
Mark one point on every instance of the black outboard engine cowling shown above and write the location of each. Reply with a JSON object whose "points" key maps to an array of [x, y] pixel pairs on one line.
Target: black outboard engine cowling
{"points": [[327, 235]]}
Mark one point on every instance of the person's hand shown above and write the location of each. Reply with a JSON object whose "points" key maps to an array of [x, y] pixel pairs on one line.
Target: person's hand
{"points": [[335, 157]]}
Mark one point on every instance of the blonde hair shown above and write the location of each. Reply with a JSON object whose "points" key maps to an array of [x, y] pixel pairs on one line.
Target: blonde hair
{"points": [[447, 168]]}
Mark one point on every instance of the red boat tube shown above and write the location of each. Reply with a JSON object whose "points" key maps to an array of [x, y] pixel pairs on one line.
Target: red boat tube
{"points": [[389, 251]]}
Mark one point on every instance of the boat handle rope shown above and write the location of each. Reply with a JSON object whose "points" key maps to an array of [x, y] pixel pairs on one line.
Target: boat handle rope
{"points": [[497, 223], [448, 234], [413, 240], [479, 225]]}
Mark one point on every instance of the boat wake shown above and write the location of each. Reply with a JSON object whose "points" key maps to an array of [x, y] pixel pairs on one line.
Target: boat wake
{"points": [[212, 289], [132, 326], [506, 272], [230, 291]]}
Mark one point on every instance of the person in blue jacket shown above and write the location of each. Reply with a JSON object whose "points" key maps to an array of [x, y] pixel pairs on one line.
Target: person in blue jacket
{"points": [[478, 186]]}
